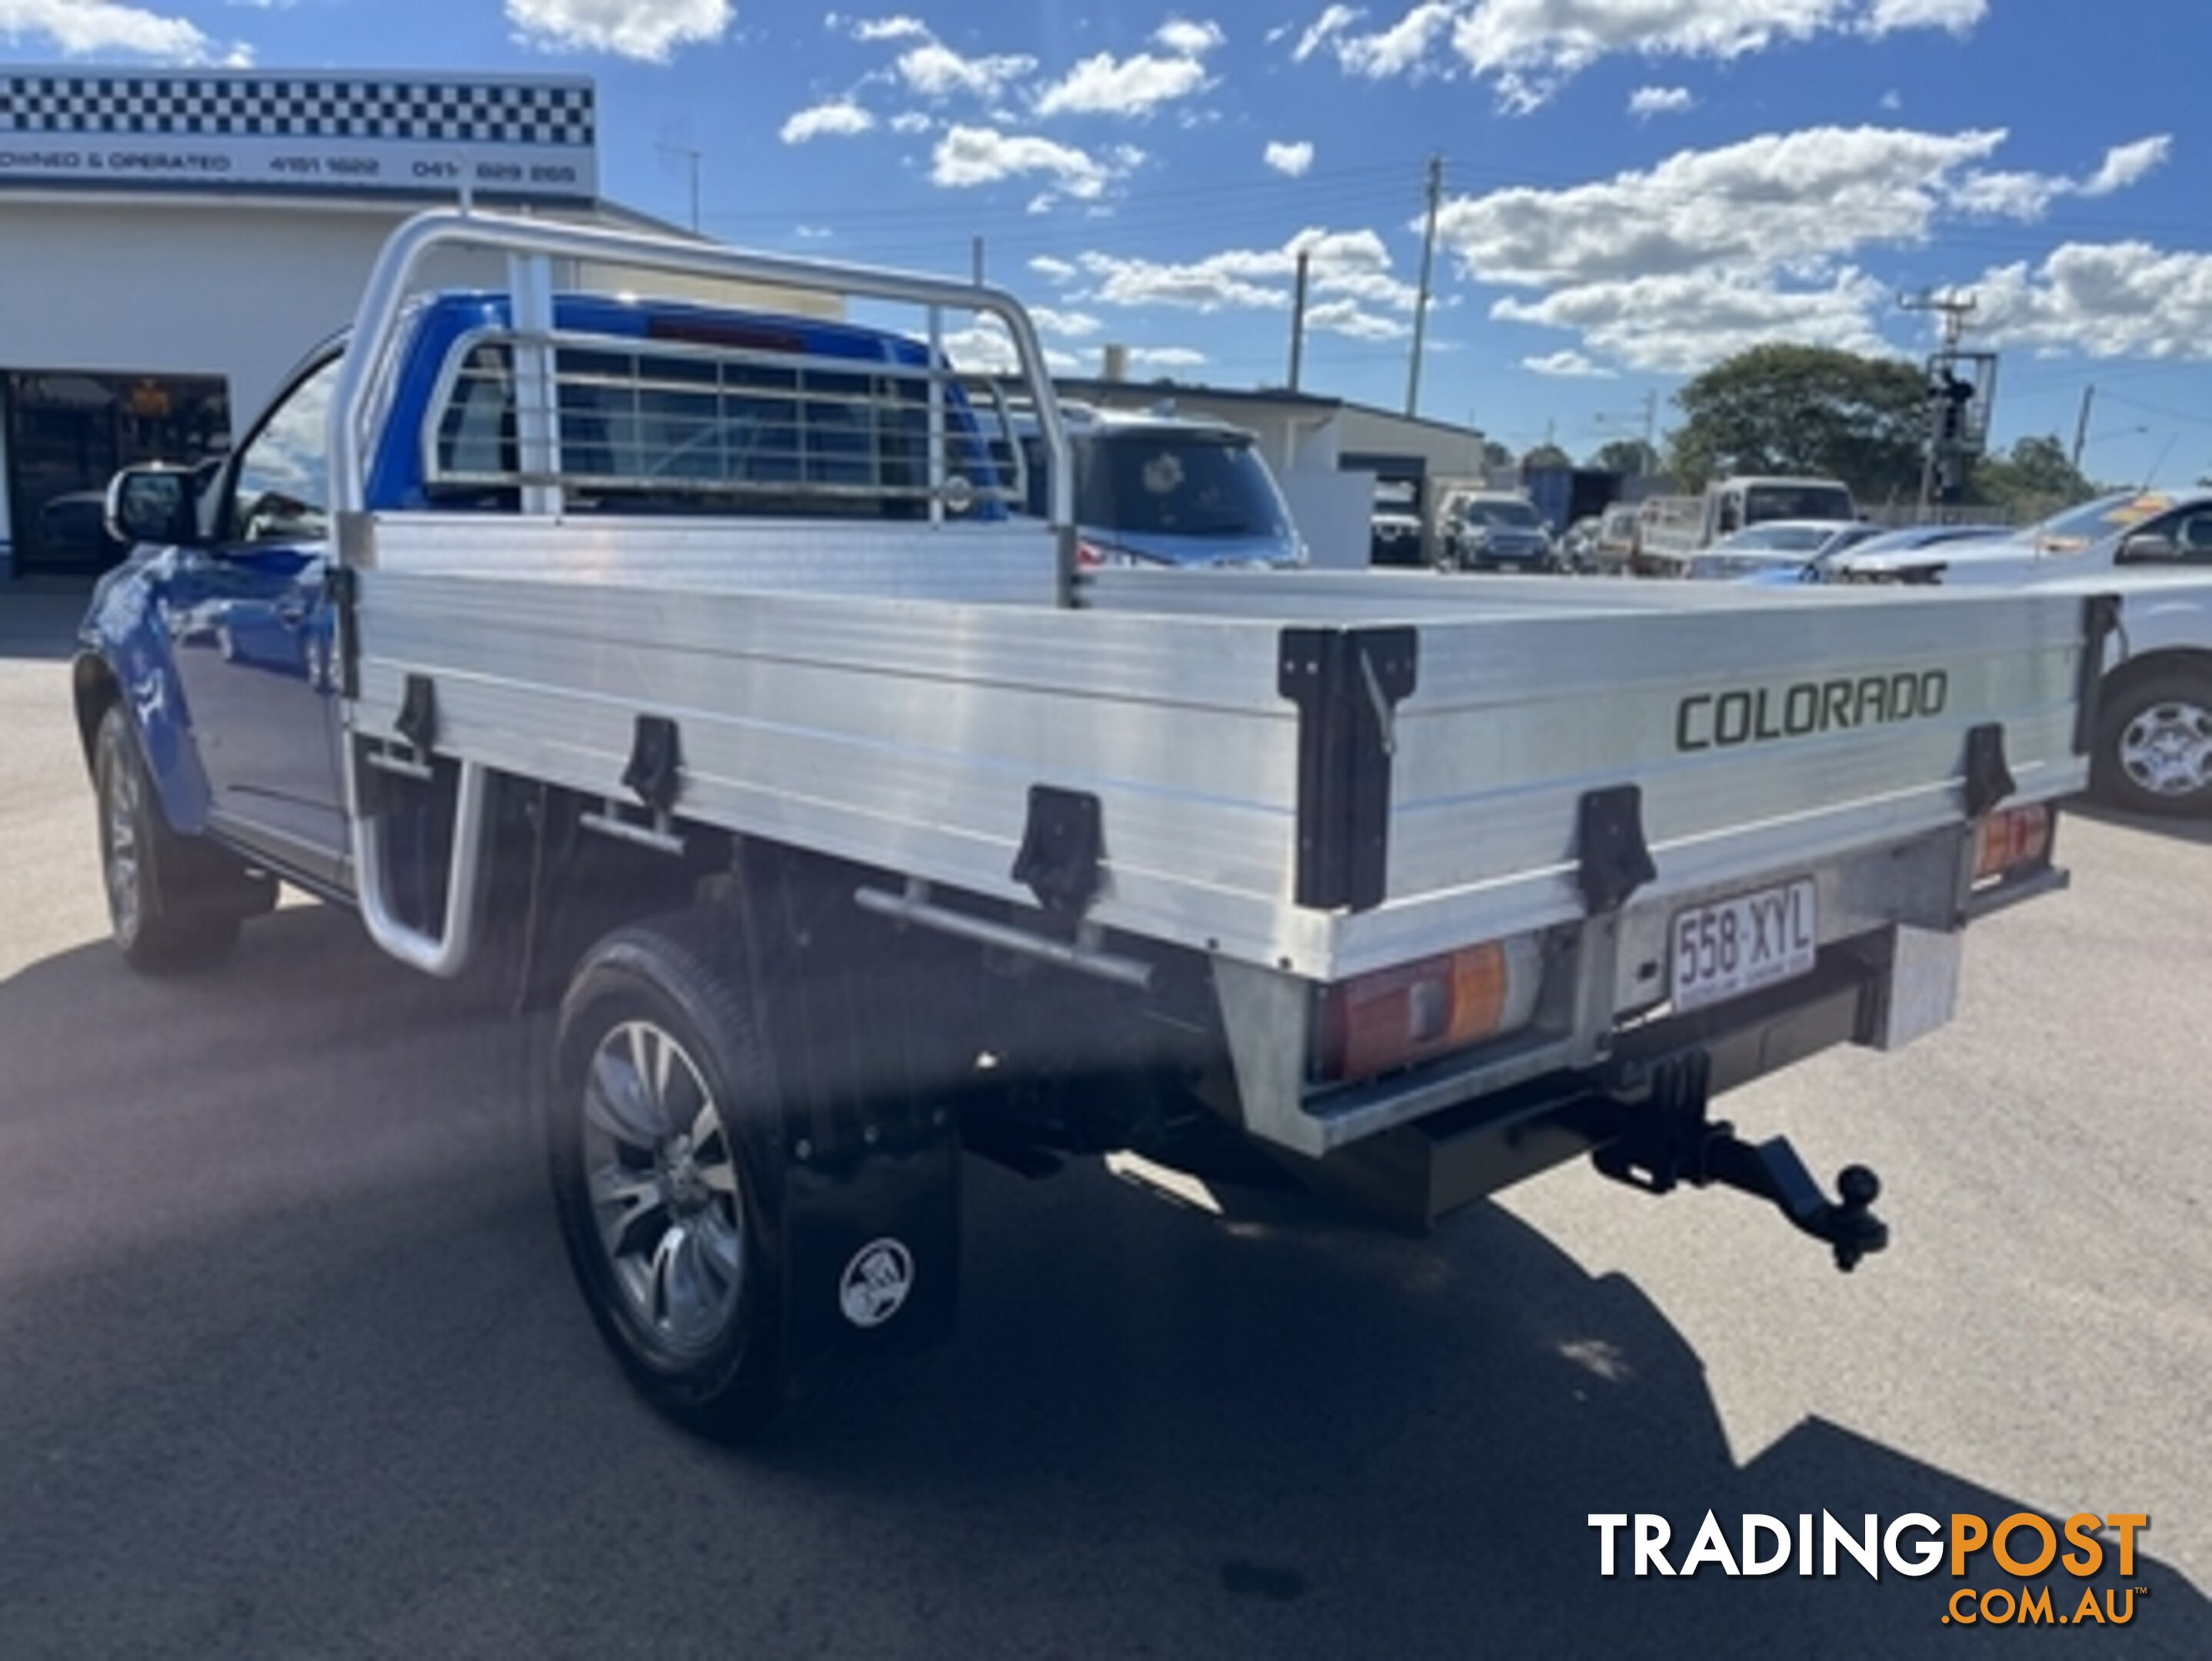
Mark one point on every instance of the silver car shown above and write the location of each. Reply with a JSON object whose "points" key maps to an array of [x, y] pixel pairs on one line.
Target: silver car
{"points": [[1498, 532]]}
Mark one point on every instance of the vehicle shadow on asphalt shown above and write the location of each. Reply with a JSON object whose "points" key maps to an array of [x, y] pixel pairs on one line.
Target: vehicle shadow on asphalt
{"points": [[39, 617], [293, 1365], [2198, 831]]}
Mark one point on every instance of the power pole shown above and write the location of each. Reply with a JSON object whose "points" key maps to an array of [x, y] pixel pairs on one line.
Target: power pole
{"points": [[1651, 421], [2081, 427], [976, 253], [1435, 190], [1298, 320]]}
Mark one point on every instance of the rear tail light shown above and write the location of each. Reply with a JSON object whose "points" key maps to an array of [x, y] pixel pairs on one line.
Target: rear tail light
{"points": [[2013, 840], [1397, 1017]]}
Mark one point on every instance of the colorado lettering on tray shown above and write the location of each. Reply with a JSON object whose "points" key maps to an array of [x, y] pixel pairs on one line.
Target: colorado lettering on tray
{"points": [[428, 135], [1752, 715]]}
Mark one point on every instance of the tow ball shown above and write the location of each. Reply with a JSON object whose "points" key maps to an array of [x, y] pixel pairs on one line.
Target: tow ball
{"points": [[1666, 1139]]}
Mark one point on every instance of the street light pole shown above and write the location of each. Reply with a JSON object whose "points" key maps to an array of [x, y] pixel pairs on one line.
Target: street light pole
{"points": [[2081, 427]]}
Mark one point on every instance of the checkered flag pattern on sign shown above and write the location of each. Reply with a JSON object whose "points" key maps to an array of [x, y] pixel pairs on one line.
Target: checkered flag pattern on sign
{"points": [[295, 106]]}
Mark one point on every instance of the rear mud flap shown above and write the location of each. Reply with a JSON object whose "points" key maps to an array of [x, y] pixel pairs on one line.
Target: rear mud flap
{"points": [[864, 1143], [871, 1249]]}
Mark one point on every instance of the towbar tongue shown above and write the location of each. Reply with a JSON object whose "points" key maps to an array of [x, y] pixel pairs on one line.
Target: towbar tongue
{"points": [[1666, 1138]]}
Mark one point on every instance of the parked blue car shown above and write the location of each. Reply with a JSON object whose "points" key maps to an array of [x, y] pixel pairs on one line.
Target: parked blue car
{"points": [[1159, 489]]}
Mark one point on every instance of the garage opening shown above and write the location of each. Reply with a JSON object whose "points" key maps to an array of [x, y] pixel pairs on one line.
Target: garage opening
{"points": [[67, 435]]}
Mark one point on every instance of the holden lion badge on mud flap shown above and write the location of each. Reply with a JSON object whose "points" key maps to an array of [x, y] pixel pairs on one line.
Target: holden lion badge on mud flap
{"points": [[876, 1283]]}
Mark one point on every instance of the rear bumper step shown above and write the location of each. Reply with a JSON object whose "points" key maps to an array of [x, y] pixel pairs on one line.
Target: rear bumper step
{"points": [[1642, 1116]]}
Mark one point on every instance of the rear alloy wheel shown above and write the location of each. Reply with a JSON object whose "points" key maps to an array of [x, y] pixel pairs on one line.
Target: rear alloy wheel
{"points": [[2155, 751], [659, 1075], [172, 904], [663, 1181]]}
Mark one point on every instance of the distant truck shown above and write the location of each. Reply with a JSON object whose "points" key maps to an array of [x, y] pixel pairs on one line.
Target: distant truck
{"points": [[1563, 494], [1670, 529]]}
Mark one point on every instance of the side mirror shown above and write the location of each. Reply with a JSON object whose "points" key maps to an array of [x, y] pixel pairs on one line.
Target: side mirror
{"points": [[2148, 546], [152, 504]]}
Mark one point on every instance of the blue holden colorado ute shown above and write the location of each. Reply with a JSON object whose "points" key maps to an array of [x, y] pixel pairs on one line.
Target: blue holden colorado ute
{"points": [[701, 670], [210, 657]]}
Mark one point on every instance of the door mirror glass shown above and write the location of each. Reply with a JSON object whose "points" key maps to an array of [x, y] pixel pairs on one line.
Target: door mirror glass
{"points": [[152, 504]]}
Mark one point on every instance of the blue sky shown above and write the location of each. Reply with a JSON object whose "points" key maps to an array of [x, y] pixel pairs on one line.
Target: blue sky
{"points": [[1632, 187]]}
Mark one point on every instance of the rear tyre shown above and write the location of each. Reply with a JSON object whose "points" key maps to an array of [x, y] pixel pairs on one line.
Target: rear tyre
{"points": [[173, 904], [2154, 744], [660, 1075]]}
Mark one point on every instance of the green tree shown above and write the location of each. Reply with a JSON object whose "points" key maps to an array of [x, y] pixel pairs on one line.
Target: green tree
{"points": [[1495, 454], [1547, 455], [2035, 480], [1807, 411], [1631, 457]]}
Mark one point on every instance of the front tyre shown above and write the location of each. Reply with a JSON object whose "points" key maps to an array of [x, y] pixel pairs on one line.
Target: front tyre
{"points": [[661, 1073], [2154, 744], [174, 906]]}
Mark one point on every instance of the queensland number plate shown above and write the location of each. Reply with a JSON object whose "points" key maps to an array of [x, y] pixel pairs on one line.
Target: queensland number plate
{"points": [[1737, 945]]}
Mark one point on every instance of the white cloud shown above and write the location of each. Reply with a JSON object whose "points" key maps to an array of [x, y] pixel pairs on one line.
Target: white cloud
{"points": [[1073, 324], [1892, 100], [1345, 317], [74, 28], [840, 117], [1527, 48], [1206, 285], [1648, 101], [1959, 16], [968, 156], [1180, 35], [2126, 164], [1668, 269], [1402, 47], [936, 70], [1291, 160], [1053, 270], [985, 349], [1134, 86], [900, 28], [911, 121], [647, 29], [2027, 196], [1344, 267], [1165, 357], [1567, 364], [2104, 300], [1680, 323], [1776, 200], [1325, 28], [812, 232]]}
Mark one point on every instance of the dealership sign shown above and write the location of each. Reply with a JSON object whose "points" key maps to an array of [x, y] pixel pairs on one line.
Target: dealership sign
{"points": [[418, 135]]}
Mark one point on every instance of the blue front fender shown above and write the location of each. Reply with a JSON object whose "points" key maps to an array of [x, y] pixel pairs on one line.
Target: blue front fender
{"points": [[122, 645]]}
